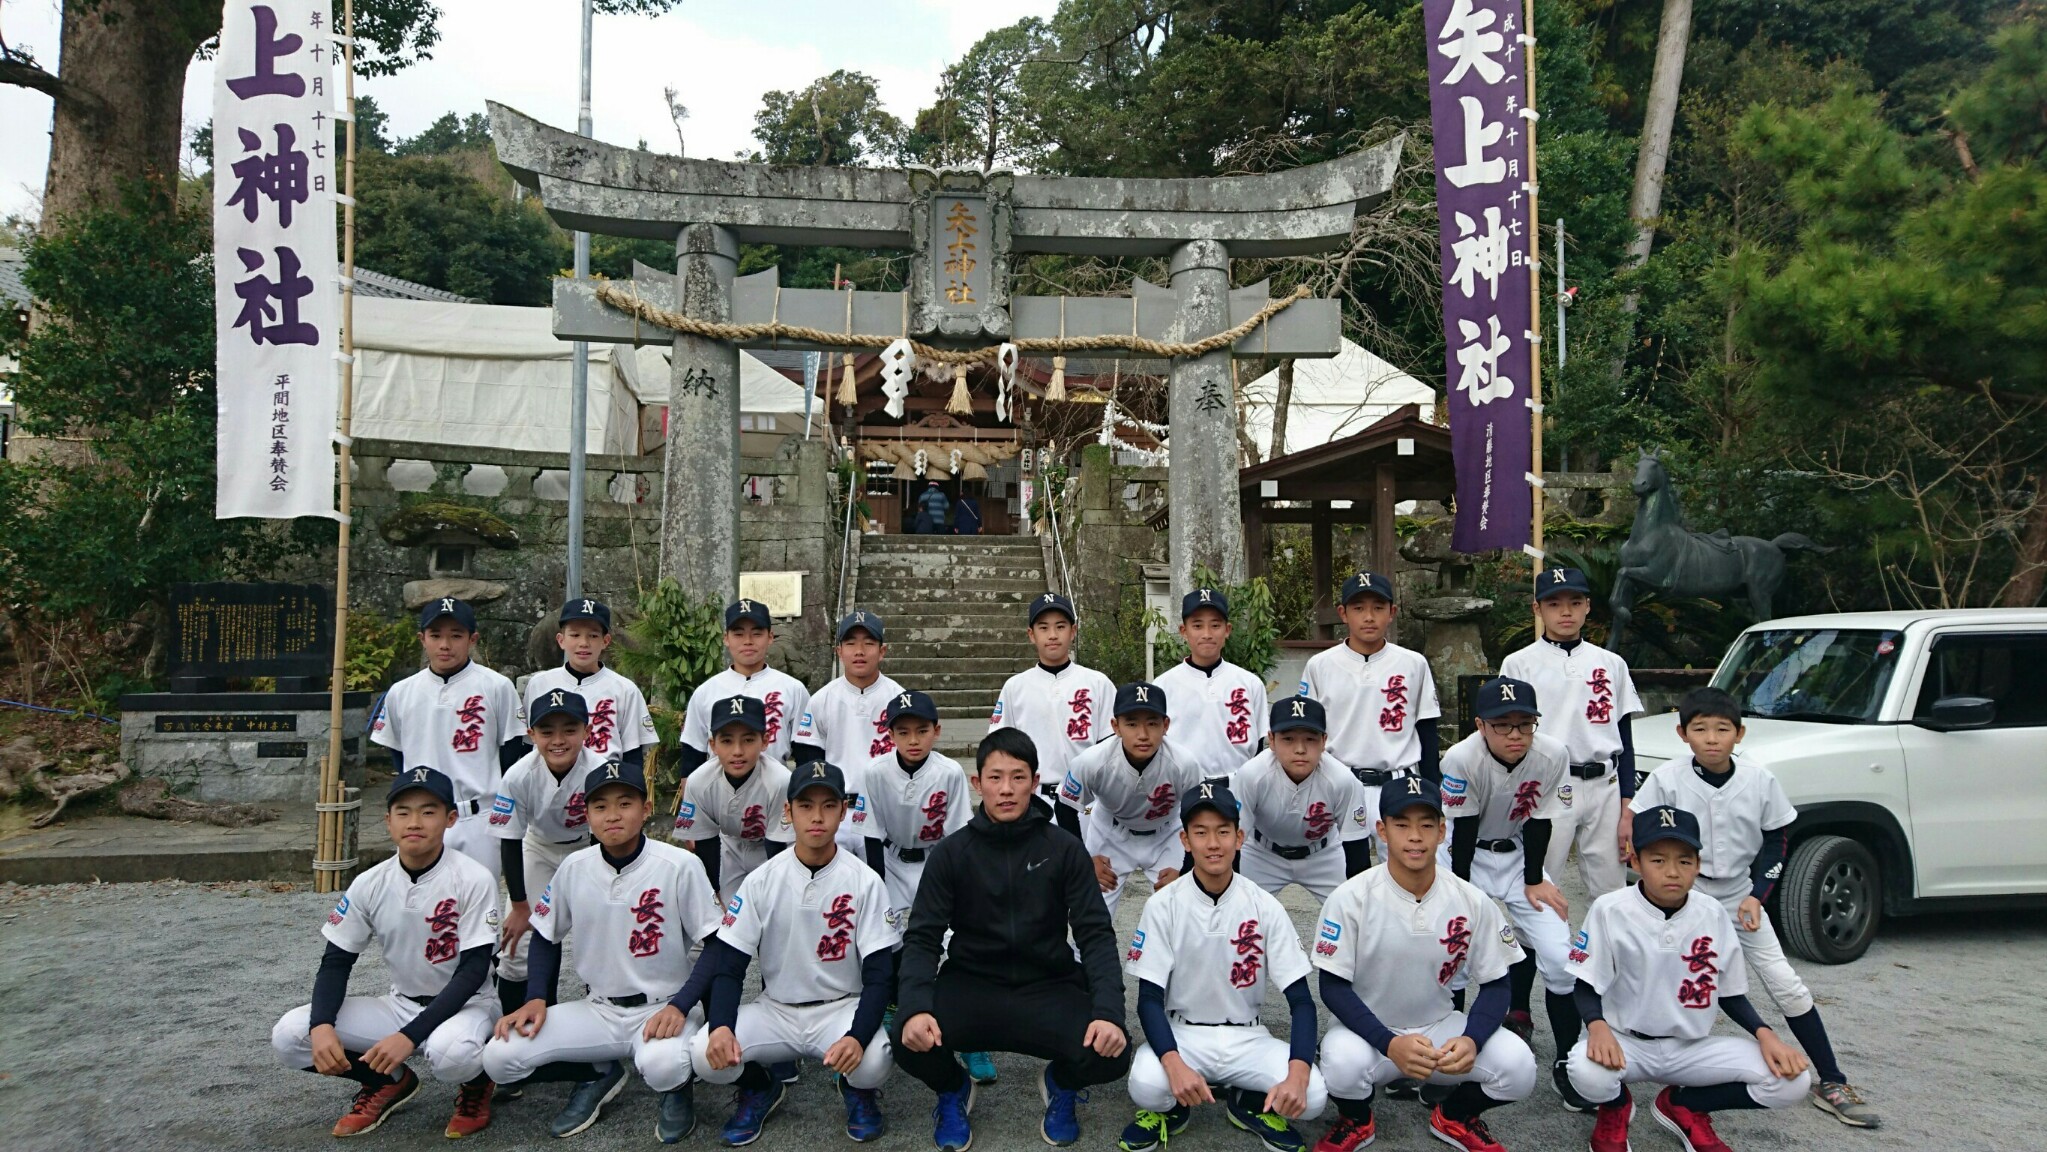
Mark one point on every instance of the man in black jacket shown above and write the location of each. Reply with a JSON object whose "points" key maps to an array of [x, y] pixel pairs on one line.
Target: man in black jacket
{"points": [[1009, 886]]}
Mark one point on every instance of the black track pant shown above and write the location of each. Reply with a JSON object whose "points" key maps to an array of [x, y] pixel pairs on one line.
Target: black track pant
{"points": [[1047, 1020]]}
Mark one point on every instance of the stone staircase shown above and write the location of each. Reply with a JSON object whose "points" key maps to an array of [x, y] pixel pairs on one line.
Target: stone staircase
{"points": [[955, 611]]}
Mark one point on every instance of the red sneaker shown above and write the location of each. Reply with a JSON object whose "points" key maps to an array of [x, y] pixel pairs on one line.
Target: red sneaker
{"points": [[1348, 1135], [1610, 1130], [373, 1105], [1520, 1024], [472, 1109], [1693, 1129], [1470, 1135]]}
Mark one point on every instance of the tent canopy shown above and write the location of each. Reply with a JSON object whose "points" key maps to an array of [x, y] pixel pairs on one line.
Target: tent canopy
{"points": [[1332, 399], [494, 376]]}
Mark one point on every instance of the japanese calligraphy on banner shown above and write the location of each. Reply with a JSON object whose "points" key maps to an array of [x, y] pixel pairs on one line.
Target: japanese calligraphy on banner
{"points": [[275, 295], [1483, 141]]}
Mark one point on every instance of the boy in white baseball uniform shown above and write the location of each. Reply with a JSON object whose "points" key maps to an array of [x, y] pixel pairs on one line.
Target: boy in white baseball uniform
{"points": [[1304, 814], [1061, 705], [434, 912], [1744, 821], [749, 633], [539, 818], [1381, 698], [844, 723], [817, 921], [731, 808], [635, 906], [1218, 708], [1652, 963], [1588, 697], [458, 717], [621, 728], [1128, 791], [1391, 943], [1205, 955], [1500, 791]]}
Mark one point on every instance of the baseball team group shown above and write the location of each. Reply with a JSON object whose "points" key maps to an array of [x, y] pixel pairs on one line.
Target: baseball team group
{"points": [[903, 909]]}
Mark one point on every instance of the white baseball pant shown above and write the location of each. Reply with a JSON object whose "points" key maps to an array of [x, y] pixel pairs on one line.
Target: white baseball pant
{"points": [[595, 1031], [1546, 935], [770, 1032], [541, 859], [1129, 852], [1686, 1064], [1592, 820], [1504, 1068], [1320, 872], [454, 1051], [1227, 1056]]}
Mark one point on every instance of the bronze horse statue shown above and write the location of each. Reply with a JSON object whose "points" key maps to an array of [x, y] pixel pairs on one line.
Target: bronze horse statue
{"points": [[1663, 556]]}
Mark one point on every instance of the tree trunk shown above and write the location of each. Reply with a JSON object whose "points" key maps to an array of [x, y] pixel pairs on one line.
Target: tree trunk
{"points": [[1653, 152], [119, 110], [1281, 401], [2030, 577]]}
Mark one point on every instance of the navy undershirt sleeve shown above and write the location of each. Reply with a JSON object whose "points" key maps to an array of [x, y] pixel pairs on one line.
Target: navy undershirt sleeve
{"points": [[1067, 817], [397, 761], [711, 854], [1535, 836], [1431, 764], [1488, 1010], [1627, 760], [637, 758], [877, 982], [511, 752], [1357, 856], [1463, 845], [1742, 1012], [877, 857], [726, 984], [1351, 1012], [1151, 1017], [801, 754], [1768, 865], [470, 972], [512, 860], [1586, 997], [688, 758], [776, 848], [695, 989], [1301, 1041], [330, 986], [543, 968]]}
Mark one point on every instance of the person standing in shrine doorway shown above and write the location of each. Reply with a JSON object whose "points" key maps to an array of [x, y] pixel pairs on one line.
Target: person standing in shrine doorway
{"points": [[932, 507]]}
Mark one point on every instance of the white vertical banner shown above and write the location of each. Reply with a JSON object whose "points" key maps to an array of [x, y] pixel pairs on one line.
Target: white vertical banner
{"points": [[275, 290]]}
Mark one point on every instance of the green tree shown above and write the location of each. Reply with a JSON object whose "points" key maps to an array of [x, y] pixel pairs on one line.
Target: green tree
{"points": [[450, 133], [836, 120], [427, 219], [982, 117]]}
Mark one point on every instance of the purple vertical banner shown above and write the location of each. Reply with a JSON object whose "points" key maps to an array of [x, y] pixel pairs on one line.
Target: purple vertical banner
{"points": [[1483, 140]]}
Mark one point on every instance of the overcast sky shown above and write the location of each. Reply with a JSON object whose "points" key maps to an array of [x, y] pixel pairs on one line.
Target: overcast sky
{"points": [[720, 55]]}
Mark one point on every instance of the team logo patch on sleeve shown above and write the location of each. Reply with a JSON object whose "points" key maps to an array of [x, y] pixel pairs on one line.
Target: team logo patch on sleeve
{"points": [[1326, 938], [1136, 945], [1070, 790], [995, 717], [732, 910], [647, 722], [685, 815], [490, 916], [501, 809], [1507, 936], [1454, 786], [340, 912], [1564, 794], [1304, 688], [541, 909], [1580, 945]]}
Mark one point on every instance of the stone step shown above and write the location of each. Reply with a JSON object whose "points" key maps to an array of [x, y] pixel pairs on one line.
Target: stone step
{"points": [[1003, 654], [988, 683], [903, 641], [937, 592], [967, 701], [913, 543], [910, 615], [877, 573]]}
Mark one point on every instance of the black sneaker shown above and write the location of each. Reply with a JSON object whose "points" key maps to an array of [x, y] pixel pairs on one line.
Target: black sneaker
{"points": [[587, 1101], [678, 1115], [1560, 1079]]}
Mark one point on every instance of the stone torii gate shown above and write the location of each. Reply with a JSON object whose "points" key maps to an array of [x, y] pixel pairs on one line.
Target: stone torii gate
{"points": [[961, 228]]}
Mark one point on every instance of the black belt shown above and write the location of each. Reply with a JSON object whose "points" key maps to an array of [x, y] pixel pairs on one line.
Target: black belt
{"points": [[1500, 845], [1223, 1024], [1643, 1036], [1372, 777], [910, 855], [636, 1000], [1051, 790], [1133, 831], [1290, 851], [1591, 771], [818, 1003], [470, 806], [422, 1001]]}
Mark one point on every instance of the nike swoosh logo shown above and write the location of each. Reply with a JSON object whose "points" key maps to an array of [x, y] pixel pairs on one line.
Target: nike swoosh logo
{"points": [[1034, 867]]}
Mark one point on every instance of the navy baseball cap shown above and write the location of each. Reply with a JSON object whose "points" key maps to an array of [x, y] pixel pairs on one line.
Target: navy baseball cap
{"points": [[1404, 792], [817, 774], [1503, 695], [1050, 602], [615, 772], [559, 702], [457, 610], [863, 620], [1201, 598], [596, 610], [910, 704], [752, 610], [424, 779], [1139, 697], [1213, 794], [739, 710], [1298, 712], [1556, 581], [1367, 584], [1664, 822]]}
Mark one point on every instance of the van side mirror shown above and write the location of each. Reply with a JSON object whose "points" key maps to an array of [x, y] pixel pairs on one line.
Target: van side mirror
{"points": [[1959, 713]]}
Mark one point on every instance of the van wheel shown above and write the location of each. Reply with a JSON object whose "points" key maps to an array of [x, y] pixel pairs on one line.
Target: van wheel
{"points": [[1832, 899]]}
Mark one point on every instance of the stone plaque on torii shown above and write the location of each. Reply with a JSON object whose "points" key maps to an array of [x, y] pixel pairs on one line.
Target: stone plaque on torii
{"points": [[961, 228]]}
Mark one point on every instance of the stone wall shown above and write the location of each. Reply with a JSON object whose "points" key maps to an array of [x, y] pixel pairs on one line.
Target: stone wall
{"points": [[1109, 539], [500, 496]]}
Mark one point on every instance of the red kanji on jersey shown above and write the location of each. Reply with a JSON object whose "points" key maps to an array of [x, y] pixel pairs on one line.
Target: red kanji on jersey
{"points": [[1081, 727], [1457, 942], [602, 721], [444, 944], [883, 743], [1525, 794], [576, 812], [646, 940], [772, 707], [1238, 728], [1599, 709], [1393, 717], [753, 825], [1698, 992], [469, 737], [935, 812], [1159, 802], [839, 919], [1320, 820], [1251, 952]]}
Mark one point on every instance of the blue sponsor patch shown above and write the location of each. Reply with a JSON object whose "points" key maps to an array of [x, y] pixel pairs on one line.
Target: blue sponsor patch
{"points": [[1454, 786], [1070, 790], [1331, 930], [685, 815], [340, 912], [1581, 941], [1304, 688], [1136, 945]]}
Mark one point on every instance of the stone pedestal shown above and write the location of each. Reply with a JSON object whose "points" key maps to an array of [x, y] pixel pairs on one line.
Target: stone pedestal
{"points": [[1455, 649], [240, 747]]}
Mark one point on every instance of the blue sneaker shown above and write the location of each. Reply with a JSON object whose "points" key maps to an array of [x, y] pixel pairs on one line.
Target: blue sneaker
{"points": [[863, 1112], [980, 1066], [750, 1111], [1153, 1129], [788, 1071], [951, 1129], [587, 1101], [1271, 1128], [1062, 1126]]}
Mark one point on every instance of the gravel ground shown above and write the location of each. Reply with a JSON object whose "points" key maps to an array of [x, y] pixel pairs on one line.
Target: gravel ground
{"points": [[138, 1016]]}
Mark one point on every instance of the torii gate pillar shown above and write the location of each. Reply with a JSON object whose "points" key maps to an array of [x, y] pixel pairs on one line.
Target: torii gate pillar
{"points": [[700, 509], [1206, 529]]}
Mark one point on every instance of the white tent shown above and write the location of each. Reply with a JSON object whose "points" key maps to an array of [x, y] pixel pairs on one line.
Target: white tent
{"points": [[495, 376], [1332, 399]]}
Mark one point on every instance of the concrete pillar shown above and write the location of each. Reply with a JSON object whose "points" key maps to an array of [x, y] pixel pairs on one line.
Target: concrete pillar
{"points": [[700, 487], [1207, 529]]}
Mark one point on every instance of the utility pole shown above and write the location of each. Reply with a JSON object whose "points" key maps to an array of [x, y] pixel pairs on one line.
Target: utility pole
{"points": [[579, 378]]}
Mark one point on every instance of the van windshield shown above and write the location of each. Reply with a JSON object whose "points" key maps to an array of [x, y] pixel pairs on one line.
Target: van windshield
{"points": [[1831, 675]]}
